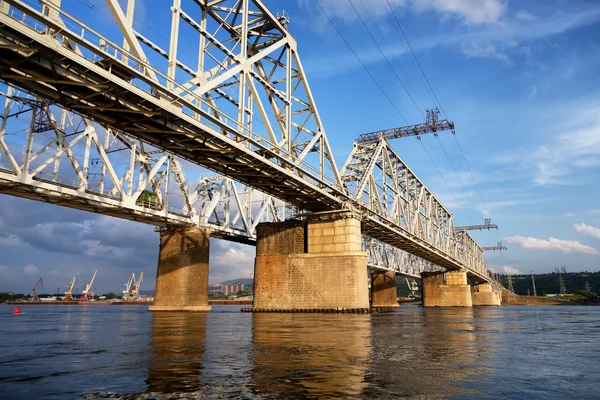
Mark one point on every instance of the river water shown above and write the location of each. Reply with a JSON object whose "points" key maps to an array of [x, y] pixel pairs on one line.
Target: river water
{"points": [[126, 352]]}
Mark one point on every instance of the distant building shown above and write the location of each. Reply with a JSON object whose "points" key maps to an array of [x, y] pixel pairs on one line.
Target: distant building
{"points": [[232, 288]]}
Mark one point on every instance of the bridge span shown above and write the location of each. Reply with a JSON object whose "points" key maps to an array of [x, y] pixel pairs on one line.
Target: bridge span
{"points": [[243, 110]]}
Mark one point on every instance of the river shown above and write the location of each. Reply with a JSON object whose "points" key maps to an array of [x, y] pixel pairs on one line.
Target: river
{"points": [[126, 352]]}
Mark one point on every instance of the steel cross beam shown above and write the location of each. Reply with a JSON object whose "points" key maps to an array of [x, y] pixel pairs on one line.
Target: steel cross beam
{"points": [[486, 225], [432, 125], [499, 247], [245, 110]]}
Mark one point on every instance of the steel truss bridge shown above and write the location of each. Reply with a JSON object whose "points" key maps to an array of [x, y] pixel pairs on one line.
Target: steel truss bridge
{"points": [[96, 125]]}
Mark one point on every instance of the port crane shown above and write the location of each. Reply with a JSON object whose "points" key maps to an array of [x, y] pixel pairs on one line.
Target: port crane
{"points": [[136, 286], [132, 287], [128, 286], [70, 286], [86, 294], [34, 292]]}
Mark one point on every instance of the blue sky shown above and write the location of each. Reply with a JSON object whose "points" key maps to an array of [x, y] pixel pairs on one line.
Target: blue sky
{"points": [[518, 78]]}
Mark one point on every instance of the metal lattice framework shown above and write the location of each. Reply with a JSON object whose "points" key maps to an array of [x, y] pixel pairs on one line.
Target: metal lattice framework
{"points": [[242, 108], [75, 163], [377, 177], [68, 161]]}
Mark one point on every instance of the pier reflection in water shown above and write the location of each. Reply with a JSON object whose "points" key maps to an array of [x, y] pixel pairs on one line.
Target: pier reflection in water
{"points": [[178, 343], [299, 355]]}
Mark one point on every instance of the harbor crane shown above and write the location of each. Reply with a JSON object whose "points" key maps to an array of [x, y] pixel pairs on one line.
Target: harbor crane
{"points": [[432, 125], [499, 246], [128, 286], [136, 287], [487, 224], [34, 292], [70, 286], [132, 287], [86, 294]]}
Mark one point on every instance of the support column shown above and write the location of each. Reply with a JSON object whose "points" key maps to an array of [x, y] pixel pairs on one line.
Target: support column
{"points": [[383, 289], [483, 295], [316, 265], [182, 276], [445, 289]]}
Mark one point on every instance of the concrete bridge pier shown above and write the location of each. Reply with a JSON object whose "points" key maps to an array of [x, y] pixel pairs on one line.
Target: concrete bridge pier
{"points": [[383, 289], [182, 275], [445, 289], [310, 266], [483, 295]]}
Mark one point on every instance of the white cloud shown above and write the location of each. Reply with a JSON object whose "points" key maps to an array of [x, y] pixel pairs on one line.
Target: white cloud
{"points": [[523, 15], [563, 159], [564, 246], [230, 261], [30, 269], [484, 51], [470, 11], [507, 269], [587, 230]]}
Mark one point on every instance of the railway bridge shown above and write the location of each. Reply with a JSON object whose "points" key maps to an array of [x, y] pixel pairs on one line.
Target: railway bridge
{"points": [[110, 119]]}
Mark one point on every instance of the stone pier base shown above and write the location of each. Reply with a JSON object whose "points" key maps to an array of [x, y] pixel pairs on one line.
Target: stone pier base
{"points": [[445, 289], [483, 295], [312, 265], [383, 289], [182, 276]]}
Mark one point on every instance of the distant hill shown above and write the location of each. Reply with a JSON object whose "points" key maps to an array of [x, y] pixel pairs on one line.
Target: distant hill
{"points": [[245, 281], [548, 283]]}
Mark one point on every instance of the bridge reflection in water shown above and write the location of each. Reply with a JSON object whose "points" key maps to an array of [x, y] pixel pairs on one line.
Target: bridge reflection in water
{"points": [[431, 353]]}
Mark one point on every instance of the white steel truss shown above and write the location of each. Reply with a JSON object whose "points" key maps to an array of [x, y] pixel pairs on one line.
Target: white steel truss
{"points": [[55, 156], [50, 154], [242, 108]]}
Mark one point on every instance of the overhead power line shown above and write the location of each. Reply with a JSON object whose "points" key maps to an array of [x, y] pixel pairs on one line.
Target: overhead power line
{"points": [[361, 62], [437, 101], [385, 94], [386, 59]]}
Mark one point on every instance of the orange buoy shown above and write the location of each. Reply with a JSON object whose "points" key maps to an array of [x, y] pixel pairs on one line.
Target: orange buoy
{"points": [[17, 310]]}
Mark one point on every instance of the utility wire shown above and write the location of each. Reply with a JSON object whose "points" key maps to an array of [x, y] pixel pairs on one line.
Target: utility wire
{"points": [[385, 57], [469, 169], [439, 104], [361, 62], [392, 103], [444, 180], [416, 59], [409, 95], [421, 104]]}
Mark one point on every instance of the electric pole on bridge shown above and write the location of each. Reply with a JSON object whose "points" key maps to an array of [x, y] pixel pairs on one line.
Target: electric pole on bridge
{"points": [[432, 125], [487, 224], [499, 247]]}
